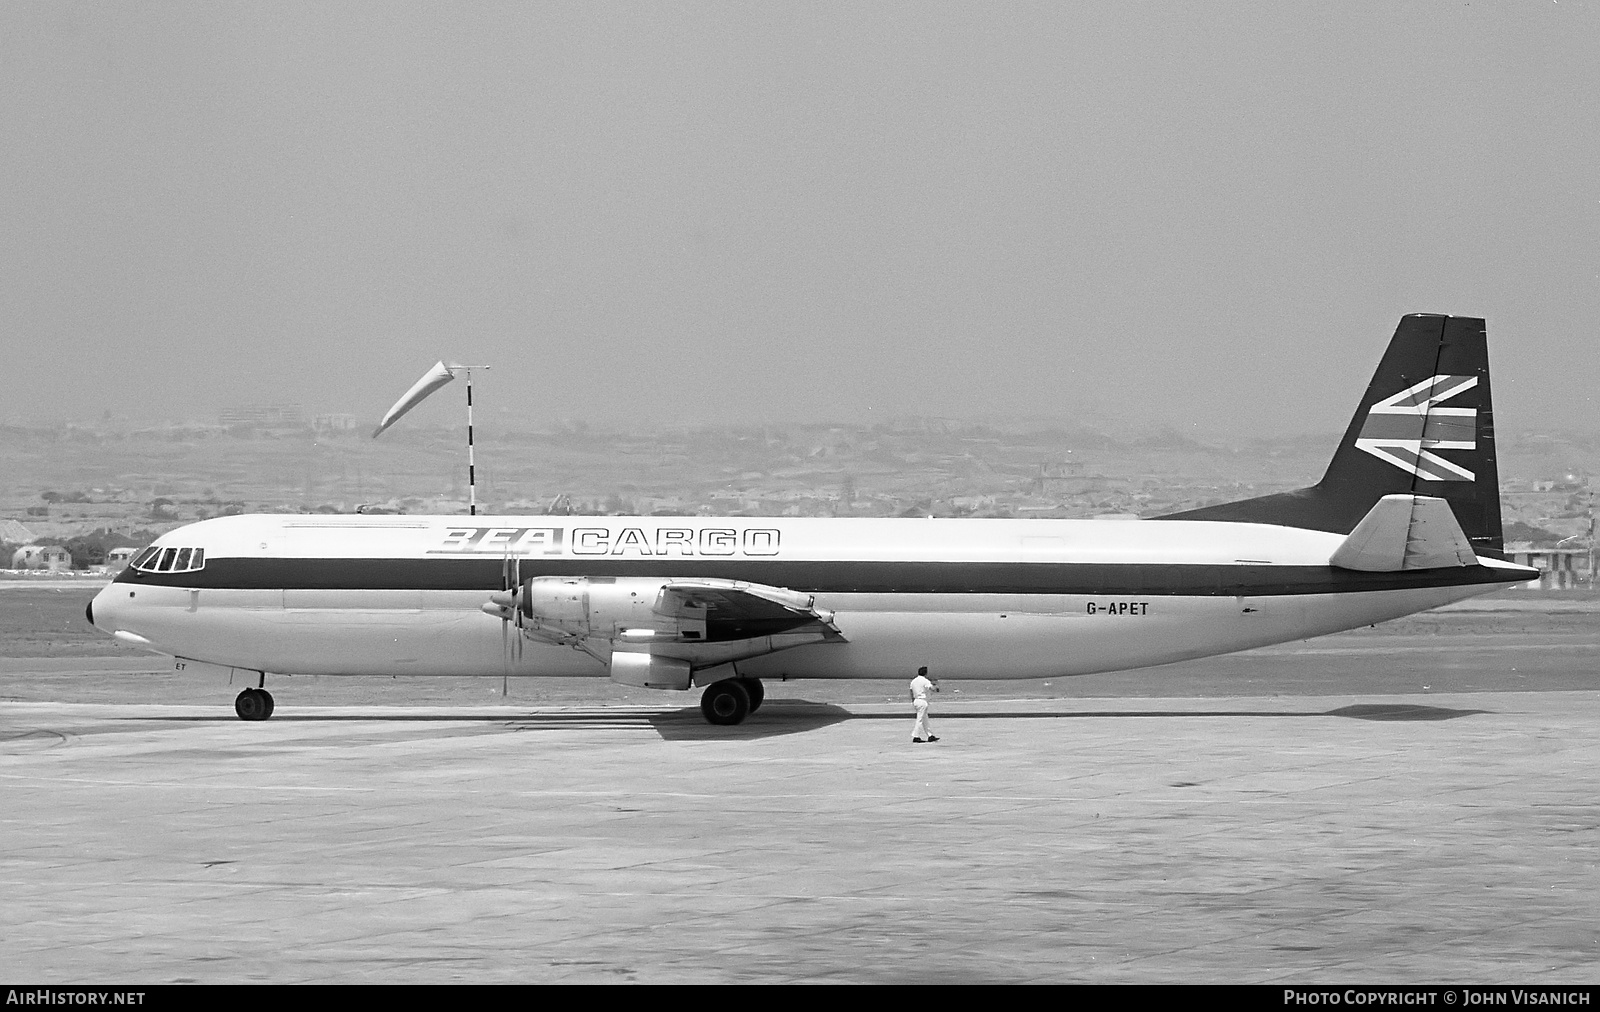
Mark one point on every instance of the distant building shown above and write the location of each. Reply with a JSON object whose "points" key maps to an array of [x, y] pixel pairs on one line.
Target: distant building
{"points": [[333, 423], [52, 558], [1062, 478], [1559, 568], [117, 559], [264, 416], [1059, 478]]}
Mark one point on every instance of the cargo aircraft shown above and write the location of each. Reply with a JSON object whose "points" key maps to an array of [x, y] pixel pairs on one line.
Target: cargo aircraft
{"points": [[1406, 518]]}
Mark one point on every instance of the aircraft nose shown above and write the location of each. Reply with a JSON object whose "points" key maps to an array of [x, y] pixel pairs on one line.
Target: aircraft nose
{"points": [[102, 606]]}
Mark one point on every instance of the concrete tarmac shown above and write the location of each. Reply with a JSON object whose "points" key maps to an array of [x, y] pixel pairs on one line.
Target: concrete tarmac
{"points": [[1274, 839]]}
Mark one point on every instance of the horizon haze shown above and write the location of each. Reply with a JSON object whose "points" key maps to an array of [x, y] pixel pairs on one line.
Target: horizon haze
{"points": [[1206, 218]]}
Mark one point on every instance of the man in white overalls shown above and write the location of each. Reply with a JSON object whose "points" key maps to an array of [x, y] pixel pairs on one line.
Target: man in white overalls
{"points": [[920, 687]]}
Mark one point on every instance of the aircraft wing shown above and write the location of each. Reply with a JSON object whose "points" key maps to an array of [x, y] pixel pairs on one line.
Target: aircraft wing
{"points": [[736, 609]]}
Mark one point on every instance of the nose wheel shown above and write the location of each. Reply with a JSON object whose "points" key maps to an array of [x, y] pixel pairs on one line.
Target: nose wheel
{"points": [[253, 704]]}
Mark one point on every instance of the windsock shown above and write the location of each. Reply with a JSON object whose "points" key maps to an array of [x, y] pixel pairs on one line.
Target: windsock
{"points": [[432, 380]]}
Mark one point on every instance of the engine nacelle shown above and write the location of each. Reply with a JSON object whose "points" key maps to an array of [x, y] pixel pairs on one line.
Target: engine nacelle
{"points": [[649, 671], [700, 622], [621, 608]]}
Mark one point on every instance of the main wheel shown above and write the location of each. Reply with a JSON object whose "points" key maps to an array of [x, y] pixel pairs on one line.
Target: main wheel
{"points": [[752, 687], [270, 704], [253, 704], [726, 702]]}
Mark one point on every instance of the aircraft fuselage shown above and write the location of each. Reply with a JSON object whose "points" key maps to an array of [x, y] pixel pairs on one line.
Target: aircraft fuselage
{"points": [[981, 599]]}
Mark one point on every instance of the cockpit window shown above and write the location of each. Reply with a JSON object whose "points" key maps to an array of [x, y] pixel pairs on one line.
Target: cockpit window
{"points": [[169, 560]]}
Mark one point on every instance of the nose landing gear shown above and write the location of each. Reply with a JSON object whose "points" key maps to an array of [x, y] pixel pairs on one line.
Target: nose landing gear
{"points": [[253, 704]]}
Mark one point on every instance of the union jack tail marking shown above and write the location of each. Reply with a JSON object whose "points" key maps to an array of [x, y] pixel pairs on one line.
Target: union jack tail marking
{"points": [[1403, 430]]}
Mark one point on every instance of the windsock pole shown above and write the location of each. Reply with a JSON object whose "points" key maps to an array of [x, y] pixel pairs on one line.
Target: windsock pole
{"points": [[472, 463], [472, 467]]}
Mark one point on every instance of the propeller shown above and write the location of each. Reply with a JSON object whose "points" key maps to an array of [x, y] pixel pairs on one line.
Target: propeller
{"points": [[516, 603], [506, 605], [505, 646]]}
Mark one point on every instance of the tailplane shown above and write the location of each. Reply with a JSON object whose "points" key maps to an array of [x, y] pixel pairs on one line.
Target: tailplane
{"points": [[1405, 532], [1424, 428]]}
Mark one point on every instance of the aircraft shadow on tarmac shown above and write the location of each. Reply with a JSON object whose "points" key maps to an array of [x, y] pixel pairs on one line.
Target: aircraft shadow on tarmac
{"points": [[796, 716], [779, 716], [685, 724]]}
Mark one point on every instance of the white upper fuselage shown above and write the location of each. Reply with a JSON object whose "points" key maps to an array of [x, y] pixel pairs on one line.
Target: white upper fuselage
{"points": [[968, 598], [756, 539]]}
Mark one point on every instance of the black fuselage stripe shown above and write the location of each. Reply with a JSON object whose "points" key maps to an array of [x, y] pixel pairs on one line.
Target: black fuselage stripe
{"points": [[1144, 579]]}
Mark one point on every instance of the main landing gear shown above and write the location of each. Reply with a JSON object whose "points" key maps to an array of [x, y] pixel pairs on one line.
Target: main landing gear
{"points": [[253, 704], [732, 700]]}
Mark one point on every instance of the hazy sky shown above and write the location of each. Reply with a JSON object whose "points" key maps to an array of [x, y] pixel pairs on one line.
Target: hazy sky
{"points": [[682, 213]]}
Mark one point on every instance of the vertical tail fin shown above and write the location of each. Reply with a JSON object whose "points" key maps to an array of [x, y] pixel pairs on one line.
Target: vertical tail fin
{"points": [[1425, 427]]}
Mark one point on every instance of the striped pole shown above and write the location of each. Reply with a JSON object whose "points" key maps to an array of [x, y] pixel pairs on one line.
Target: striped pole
{"points": [[472, 468]]}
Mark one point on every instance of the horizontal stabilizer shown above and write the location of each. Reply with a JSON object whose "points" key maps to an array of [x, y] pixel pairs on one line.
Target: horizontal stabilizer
{"points": [[1406, 532]]}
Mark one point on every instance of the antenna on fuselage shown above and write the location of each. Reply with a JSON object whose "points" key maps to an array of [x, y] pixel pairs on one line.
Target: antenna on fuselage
{"points": [[432, 380]]}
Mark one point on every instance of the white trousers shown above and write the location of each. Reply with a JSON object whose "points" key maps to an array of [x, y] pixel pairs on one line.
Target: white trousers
{"points": [[921, 730]]}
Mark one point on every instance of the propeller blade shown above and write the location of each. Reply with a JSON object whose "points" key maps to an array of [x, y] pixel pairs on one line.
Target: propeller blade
{"points": [[507, 598], [516, 602]]}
